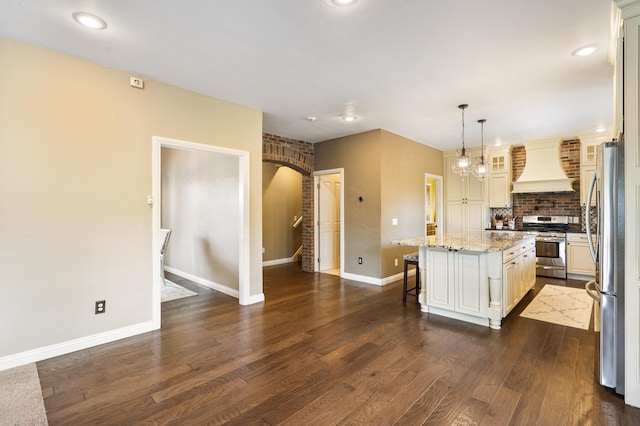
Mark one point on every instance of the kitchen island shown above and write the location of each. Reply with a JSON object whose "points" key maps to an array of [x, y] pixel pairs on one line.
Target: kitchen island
{"points": [[476, 277]]}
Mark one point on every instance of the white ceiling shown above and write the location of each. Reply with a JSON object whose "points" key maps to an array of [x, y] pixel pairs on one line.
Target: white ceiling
{"points": [[400, 65]]}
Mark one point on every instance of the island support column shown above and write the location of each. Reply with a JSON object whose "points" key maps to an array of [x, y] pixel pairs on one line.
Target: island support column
{"points": [[422, 265], [495, 291]]}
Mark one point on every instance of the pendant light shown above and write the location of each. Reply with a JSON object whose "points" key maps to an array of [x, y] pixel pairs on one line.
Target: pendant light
{"points": [[463, 163], [479, 167]]}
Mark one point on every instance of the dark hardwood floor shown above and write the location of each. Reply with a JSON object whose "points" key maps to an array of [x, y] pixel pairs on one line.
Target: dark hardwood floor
{"points": [[327, 351]]}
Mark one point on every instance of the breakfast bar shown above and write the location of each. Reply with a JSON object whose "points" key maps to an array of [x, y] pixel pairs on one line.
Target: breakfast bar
{"points": [[475, 277]]}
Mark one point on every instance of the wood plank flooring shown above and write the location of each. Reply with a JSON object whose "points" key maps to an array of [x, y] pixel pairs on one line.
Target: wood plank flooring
{"points": [[327, 351]]}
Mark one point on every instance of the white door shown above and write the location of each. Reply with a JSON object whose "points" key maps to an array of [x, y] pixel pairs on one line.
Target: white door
{"points": [[329, 221]]}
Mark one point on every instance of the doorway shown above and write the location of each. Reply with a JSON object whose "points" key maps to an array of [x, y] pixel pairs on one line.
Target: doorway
{"points": [[433, 204], [329, 220], [242, 159]]}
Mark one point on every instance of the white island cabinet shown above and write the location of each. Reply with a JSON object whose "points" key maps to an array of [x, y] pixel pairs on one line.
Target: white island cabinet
{"points": [[474, 278]]}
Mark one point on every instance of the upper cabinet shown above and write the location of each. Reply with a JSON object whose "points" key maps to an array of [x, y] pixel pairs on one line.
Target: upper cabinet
{"points": [[458, 189], [500, 177], [466, 201], [588, 147]]}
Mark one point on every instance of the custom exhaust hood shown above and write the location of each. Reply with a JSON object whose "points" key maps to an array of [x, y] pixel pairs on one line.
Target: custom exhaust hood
{"points": [[543, 170]]}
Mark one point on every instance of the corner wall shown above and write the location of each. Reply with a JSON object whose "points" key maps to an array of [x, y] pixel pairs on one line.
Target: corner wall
{"points": [[359, 155], [75, 174]]}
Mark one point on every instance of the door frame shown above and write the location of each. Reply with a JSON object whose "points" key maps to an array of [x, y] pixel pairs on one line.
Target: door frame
{"points": [[159, 142], [316, 205], [439, 202]]}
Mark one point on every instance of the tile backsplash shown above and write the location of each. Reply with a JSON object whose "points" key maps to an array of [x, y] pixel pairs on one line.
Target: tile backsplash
{"points": [[592, 217]]}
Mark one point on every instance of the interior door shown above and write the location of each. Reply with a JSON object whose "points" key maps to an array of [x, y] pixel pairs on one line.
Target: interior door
{"points": [[329, 221]]}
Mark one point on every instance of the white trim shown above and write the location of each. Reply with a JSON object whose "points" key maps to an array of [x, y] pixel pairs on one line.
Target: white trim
{"points": [[439, 202], [244, 243], [361, 278], [399, 276], [279, 261], [69, 346], [204, 282], [316, 181], [256, 298], [378, 281]]}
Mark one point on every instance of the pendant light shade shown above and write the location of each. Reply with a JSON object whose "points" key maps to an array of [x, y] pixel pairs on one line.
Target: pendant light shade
{"points": [[479, 168], [463, 163]]}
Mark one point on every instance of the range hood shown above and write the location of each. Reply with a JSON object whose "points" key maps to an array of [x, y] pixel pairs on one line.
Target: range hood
{"points": [[543, 170]]}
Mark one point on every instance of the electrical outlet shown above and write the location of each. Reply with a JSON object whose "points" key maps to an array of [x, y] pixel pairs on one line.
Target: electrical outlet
{"points": [[101, 306], [359, 261]]}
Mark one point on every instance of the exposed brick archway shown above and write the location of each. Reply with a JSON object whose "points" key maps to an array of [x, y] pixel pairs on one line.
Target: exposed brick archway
{"points": [[299, 156]]}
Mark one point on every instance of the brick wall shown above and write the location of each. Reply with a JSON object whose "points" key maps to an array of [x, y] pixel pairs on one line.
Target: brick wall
{"points": [[549, 204], [299, 156]]}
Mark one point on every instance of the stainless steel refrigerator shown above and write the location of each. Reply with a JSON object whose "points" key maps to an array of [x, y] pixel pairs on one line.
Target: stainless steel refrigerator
{"points": [[607, 186]]}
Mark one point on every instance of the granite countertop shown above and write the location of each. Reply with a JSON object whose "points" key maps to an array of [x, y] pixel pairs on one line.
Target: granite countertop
{"points": [[488, 241]]}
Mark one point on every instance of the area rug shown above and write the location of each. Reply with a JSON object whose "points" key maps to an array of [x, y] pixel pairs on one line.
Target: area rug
{"points": [[172, 291], [561, 305], [21, 397]]}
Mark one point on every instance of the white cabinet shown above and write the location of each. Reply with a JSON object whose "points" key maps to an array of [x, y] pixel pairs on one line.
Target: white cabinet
{"points": [[466, 206], [500, 177], [457, 281], [588, 146], [586, 174], [519, 274], [466, 217], [579, 260]]}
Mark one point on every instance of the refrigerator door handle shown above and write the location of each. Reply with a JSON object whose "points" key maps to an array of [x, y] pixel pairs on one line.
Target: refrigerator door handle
{"points": [[592, 291], [592, 246]]}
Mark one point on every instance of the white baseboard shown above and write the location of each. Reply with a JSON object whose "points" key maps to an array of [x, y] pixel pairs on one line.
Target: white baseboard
{"points": [[581, 277], [398, 276], [207, 283], [69, 346], [377, 281], [280, 261], [256, 298]]}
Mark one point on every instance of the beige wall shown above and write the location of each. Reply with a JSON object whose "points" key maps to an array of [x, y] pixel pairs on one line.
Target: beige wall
{"points": [[388, 171], [281, 202], [75, 173], [403, 163], [359, 155]]}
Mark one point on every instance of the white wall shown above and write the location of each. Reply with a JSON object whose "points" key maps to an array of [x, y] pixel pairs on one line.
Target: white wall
{"points": [[200, 192]]}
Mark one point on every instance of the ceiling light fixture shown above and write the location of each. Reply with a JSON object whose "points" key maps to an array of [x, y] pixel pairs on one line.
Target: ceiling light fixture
{"points": [[584, 51], [89, 20], [479, 168], [349, 118], [344, 2], [463, 163], [600, 129]]}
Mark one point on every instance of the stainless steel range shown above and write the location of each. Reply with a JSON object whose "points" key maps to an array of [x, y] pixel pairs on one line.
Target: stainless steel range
{"points": [[551, 244]]}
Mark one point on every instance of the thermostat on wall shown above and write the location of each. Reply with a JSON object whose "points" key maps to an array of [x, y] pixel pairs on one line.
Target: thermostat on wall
{"points": [[136, 82]]}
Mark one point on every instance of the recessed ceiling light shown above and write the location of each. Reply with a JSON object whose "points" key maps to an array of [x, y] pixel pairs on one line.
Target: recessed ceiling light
{"points": [[89, 20], [348, 118], [344, 2], [600, 129], [584, 51], [310, 118]]}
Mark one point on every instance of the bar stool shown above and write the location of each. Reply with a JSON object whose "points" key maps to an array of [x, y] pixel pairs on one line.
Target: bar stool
{"points": [[410, 259]]}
